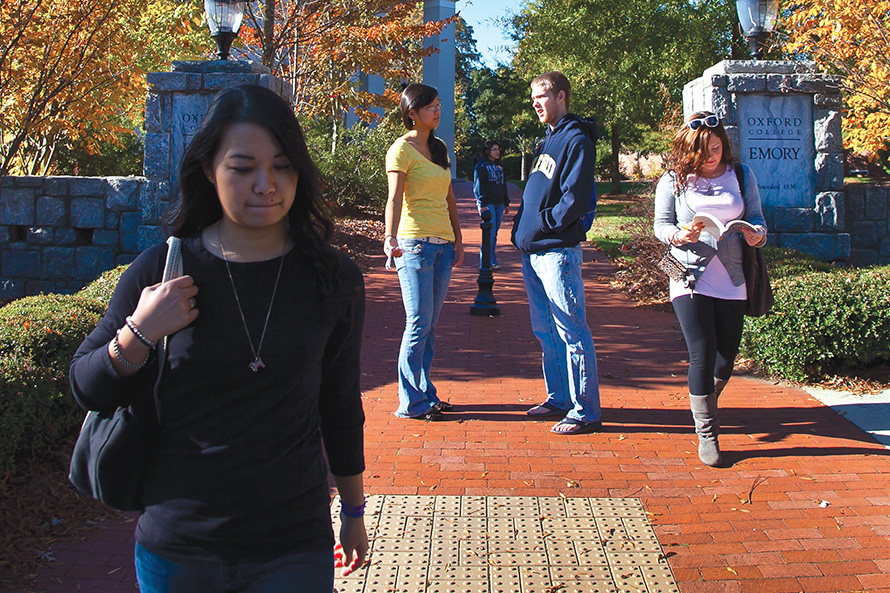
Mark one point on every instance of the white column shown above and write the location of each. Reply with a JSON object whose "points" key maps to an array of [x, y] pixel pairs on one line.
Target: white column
{"points": [[438, 69]]}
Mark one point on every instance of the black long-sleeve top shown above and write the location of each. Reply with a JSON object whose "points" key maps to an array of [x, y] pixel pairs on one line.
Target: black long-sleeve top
{"points": [[489, 184], [238, 471]]}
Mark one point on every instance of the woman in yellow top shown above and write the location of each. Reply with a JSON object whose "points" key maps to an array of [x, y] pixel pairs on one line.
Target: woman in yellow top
{"points": [[423, 238]]}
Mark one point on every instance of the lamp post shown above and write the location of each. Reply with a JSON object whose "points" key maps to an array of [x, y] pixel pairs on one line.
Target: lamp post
{"points": [[224, 20], [758, 20], [485, 303]]}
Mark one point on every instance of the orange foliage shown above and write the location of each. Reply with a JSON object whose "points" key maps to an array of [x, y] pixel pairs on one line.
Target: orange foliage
{"points": [[850, 38], [71, 69]]}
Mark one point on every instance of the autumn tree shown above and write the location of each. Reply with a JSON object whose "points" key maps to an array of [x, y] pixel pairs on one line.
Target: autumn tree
{"points": [[850, 38], [72, 69]]}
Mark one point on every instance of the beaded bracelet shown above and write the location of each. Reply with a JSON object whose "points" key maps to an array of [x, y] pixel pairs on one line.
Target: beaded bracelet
{"points": [[351, 511], [139, 335], [115, 347]]}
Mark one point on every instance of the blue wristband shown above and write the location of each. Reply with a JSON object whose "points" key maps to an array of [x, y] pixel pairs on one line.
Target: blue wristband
{"points": [[351, 511]]}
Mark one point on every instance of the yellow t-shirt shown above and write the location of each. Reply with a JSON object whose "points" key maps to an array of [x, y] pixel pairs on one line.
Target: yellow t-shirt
{"points": [[424, 203]]}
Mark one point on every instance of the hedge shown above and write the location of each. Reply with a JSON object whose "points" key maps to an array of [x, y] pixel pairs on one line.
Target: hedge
{"points": [[38, 337], [823, 321]]}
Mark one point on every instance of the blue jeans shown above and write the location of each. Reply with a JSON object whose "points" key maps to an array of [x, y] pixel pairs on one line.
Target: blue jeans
{"points": [[497, 215], [306, 571], [424, 273], [559, 321]]}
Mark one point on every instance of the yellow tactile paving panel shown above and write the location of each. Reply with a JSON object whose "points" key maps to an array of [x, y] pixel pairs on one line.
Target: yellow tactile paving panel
{"points": [[500, 544]]}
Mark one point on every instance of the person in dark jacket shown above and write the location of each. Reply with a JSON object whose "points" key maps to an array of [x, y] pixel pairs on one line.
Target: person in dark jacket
{"points": [[548, 229], [490, 190], [262, 368]]}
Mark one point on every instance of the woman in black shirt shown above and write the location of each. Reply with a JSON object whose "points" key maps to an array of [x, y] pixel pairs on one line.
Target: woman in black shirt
{"points": [[262, 368]]}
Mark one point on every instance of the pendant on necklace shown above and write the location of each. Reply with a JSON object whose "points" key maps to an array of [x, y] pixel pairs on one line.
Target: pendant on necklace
{"points": [[257, 365]]}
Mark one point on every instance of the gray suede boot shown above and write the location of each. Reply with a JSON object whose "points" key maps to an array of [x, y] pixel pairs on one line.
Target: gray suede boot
{"points": [[707, 427]]}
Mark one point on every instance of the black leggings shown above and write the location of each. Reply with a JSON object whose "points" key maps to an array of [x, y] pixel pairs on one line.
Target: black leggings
{"points": [[713, 330]]}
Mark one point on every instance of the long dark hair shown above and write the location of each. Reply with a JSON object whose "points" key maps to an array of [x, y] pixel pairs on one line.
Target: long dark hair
{"points": [[689, 151], [199, 207], [417, 96]]}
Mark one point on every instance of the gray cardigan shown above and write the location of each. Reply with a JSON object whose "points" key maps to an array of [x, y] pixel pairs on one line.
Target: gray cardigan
{"points": [[671, 210]]}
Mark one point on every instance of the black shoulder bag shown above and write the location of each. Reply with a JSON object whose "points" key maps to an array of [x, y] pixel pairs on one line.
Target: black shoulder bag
{"points": [[760, 292], [113, 448]]}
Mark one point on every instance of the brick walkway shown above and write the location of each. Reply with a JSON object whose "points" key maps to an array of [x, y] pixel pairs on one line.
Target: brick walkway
{"points": [[758, 525]]}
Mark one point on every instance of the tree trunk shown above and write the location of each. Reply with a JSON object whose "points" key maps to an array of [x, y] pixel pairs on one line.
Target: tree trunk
{"points": [[614, 169], [269, 33]]}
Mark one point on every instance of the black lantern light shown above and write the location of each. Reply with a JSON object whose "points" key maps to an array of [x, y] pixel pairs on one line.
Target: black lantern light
{"points": [[224, 20], [758, 20]]}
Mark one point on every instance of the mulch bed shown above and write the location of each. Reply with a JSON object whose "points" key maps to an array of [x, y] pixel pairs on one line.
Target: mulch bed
{"points": [[360, 236], [38, 507]]}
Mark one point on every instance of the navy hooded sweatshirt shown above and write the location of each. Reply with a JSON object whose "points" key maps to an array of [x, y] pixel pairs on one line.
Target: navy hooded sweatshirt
{"points": [[560, 188]]}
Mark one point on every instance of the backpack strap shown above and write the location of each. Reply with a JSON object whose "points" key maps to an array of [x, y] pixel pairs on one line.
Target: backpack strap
{"points": [[740, 175]]}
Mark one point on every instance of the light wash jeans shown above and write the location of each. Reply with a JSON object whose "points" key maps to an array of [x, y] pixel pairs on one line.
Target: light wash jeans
{"points": [[312, 572], [497, 215], [424, 273], [559, 321]]}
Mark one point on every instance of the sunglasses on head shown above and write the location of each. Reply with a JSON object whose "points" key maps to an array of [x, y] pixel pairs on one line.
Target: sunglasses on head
{"points": [[712, 121]]}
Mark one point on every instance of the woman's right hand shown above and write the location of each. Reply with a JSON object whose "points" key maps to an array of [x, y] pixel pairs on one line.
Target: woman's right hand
{"points": [[688, 235], [166, 308], [391, 247]]}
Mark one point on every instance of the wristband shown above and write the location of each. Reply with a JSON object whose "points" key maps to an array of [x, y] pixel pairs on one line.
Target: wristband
{"points": [[351, 511], [139, 335], [115, 347]]}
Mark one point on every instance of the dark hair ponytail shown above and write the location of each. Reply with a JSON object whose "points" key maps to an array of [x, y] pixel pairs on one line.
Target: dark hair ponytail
{"points": [[417, 96]]}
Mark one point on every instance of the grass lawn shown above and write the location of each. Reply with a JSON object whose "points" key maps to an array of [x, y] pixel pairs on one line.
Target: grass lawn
{"points": [[617, 215]]}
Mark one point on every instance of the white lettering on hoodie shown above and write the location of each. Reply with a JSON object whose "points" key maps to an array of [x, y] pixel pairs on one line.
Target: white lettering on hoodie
{"points": [[546, 165]]}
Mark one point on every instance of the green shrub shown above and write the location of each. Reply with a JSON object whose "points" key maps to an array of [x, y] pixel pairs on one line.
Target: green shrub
{"points": [[823, 321], [356, 172], [38, 337], [102, 288]]}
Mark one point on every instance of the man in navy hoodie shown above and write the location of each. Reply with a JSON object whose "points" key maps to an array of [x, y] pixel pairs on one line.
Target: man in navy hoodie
{"points": [[548, 230]]}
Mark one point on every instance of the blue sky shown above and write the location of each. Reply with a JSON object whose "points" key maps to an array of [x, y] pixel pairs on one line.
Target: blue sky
{"points": [[480, 15]]}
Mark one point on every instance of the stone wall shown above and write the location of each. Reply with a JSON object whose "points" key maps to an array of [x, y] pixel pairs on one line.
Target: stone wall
{"points": [[868, 222], [59, 233]]}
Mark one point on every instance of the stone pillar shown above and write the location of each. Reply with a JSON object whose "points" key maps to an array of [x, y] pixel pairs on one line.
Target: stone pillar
{"points": [[784, 121], [174, 108], [438, 69]]}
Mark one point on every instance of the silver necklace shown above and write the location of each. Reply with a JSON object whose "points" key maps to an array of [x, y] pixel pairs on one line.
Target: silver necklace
{"points": [[257, 363], [707, 192]]}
